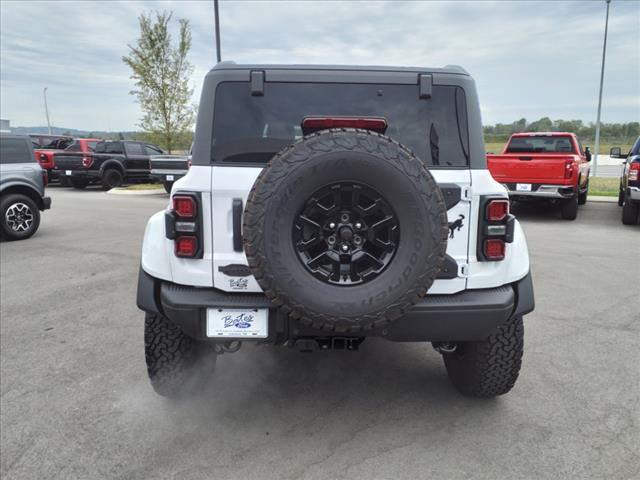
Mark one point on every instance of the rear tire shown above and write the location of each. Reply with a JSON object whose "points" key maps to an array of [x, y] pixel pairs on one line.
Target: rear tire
{"points": [[488, 368], [111, 178], [79, 183], [631, 213], [167, 186], [569, 208], [582, 197], [176, 363], [620, 197], [19, 217]]}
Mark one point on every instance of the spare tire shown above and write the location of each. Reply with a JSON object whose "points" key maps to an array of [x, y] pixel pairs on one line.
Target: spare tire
{"points": [[345, 230]]}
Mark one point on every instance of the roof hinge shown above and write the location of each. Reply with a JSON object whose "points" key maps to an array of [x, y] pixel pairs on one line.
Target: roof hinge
{"points": [[426, 85], [463, 270]]}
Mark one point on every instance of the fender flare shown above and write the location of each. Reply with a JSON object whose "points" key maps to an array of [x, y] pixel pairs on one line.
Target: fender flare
{"points": [[24, 189], [112, 164]]}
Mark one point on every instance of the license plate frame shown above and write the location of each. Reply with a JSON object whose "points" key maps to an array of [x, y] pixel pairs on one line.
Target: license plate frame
{"points": [[523, 187], [245, 323]]}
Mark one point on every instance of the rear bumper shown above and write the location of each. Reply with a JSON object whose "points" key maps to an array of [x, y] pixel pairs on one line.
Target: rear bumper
{"points": [[468, 315], [161, 175], [88, 174], [541, 191], [633, 194]]}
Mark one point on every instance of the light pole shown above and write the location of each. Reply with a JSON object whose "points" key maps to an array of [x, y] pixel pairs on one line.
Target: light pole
{"points": [[46, 109], [217, 21], [604, 55]]}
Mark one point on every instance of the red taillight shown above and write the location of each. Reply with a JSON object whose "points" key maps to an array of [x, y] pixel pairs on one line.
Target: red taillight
{"points": [[186, 246], [184, 206], [497, 210], [568, 168], [87, 161], [322, 123], [494, 248], [634, 172]]}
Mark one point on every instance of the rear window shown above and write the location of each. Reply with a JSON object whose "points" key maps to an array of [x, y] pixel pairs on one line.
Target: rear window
{"points": [[15, 150], [540, 144], [251, 129]]}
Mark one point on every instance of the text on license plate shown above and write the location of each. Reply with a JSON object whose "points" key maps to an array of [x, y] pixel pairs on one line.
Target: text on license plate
{"points": [[237, 323], [67, 172], [523, 187], [169, 178]]}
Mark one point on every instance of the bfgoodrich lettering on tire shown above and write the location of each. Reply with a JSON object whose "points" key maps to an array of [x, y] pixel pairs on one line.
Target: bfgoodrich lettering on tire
{"points": [[372, 217]]}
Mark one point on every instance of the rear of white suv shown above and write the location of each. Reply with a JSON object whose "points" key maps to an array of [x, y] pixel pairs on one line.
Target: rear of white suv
{"points": [[328, 204]]}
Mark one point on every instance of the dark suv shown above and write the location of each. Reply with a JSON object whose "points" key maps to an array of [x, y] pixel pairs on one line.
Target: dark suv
{"points": [[328, 204], [22, 183], [629, 195]]}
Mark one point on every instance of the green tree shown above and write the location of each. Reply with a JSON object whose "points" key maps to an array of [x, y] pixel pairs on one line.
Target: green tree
{"points": [[161, 73]]}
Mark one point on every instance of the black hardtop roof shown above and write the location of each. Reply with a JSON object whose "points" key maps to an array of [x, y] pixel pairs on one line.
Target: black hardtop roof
{"points": [[14, 135], [451, 69]]}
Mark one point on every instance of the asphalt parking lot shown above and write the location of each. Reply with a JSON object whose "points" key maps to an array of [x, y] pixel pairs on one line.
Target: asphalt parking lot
{"points": [[76, 403]]}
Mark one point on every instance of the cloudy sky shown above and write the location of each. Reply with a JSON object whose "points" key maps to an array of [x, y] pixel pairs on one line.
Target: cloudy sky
{"points": [[529, 59]]}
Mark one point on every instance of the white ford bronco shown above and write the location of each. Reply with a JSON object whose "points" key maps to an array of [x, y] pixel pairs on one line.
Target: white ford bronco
{"points": [[328, 204]]}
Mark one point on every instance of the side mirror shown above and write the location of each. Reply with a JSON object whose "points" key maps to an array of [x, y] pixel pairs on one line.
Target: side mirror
{"points": [[615, 152], [587, 154]]}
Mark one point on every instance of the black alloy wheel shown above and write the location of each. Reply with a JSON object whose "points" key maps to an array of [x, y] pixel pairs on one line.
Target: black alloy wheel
{"points": [[346, 234]]}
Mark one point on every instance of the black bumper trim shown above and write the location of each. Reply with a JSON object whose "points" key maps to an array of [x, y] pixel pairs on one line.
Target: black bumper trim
{"points": [[46, 203], [90, 174], [465, 316]]}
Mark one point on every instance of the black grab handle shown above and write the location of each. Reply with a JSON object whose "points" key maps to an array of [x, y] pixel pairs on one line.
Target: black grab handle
{"points": [[236, 210]]}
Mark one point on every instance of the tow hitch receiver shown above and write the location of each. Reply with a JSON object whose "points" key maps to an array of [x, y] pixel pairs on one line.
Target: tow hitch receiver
{"points": [[329, 343]]}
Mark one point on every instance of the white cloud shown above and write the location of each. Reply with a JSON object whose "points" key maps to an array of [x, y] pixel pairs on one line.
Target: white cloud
{"points": [[529, 59]]}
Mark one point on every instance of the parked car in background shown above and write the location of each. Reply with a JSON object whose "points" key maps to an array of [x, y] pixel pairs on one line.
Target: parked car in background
{"points": [[552, 166], [46, 157], [110, 164], [166, 169], [44, 146], [22, 183], [629, 196]]}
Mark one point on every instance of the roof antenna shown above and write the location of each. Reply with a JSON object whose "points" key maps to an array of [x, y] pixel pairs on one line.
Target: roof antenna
{"points": [[215, 7]]}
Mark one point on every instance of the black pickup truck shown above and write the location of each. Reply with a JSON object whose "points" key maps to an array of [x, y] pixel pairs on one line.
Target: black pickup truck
{"points": [[111, 163]]}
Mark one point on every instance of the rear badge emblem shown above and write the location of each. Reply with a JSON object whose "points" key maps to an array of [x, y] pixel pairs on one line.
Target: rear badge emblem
{"points": [[238, 283], [456, 225]]}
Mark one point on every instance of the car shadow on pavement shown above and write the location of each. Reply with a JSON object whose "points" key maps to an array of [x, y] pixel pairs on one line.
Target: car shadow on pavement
{"points": [[536, 210]]}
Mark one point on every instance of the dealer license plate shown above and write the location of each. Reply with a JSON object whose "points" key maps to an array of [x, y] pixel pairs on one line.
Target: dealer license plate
{"points": [[169, 178], [67, 172], [237, 323], [523, 187]]}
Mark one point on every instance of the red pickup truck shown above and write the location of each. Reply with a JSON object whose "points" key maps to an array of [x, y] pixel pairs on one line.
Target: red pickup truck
{"points": [[551, 166], [46, 156]]}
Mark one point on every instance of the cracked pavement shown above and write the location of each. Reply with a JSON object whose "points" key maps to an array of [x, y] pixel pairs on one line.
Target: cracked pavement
{"points": [[75, 400]]}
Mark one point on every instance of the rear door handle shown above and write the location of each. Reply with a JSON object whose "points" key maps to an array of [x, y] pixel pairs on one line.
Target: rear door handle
{"points": [[236, 210], [525, 158]]}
